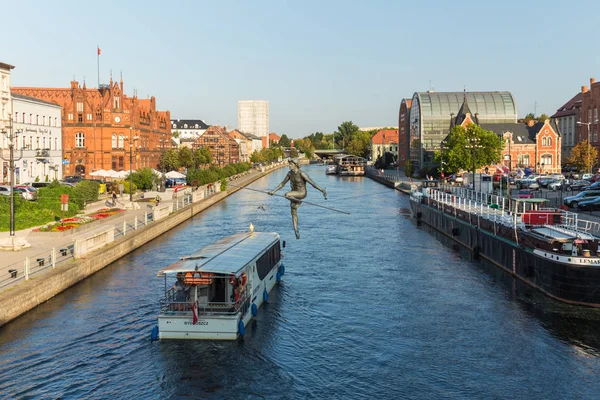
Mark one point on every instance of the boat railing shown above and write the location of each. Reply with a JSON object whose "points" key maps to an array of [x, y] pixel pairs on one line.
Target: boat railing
{"points": [[169, 305]]}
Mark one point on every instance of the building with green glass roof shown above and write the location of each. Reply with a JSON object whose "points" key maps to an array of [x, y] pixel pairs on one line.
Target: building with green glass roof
{"points": [[432, 113]]}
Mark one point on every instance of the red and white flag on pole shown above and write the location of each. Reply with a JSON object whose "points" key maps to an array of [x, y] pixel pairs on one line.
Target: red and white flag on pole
{"points": [[99, 51], [195, 312]]}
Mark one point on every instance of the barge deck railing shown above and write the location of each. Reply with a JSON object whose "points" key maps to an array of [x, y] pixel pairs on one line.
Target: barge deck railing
{"points": [[494, 208]]}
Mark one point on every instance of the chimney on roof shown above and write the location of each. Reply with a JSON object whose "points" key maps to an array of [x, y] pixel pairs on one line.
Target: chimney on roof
{"points": [[531, 122], [592, 81], [584, 89]]}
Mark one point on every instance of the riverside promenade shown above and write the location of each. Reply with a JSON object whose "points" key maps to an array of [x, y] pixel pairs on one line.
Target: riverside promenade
{"points": [[55, 262]]}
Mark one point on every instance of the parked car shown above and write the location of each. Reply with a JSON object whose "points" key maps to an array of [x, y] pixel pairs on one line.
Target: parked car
{"points": [[525, 194], [593, 204], [36, 185], [587, 177], [531, 184], [73, 178], [575, 184], [593, 186], [5, 190], [544, 181], [573, 201], [27, 192]]}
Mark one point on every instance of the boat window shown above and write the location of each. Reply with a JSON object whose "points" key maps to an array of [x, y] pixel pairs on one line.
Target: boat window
{"points": [[267, 261]]}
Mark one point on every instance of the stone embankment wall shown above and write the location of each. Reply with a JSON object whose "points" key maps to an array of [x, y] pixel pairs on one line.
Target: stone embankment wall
{"points": [[30, 294]]}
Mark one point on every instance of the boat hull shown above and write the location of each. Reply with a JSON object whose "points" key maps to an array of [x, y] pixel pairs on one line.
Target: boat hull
{"points": [[559, 279]]}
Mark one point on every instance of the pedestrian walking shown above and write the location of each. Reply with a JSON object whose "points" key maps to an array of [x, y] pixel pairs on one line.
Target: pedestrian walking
{"points": [[114, 198]]}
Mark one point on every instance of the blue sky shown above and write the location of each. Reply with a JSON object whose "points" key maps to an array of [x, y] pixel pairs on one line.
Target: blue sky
{"points": [[318, 63]]}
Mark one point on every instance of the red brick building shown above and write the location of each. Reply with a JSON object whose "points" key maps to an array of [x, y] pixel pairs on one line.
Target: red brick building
{"points": [[404, 132], [536, 145], [99, 123], [225, 150], [590, 123], [274, 138]]}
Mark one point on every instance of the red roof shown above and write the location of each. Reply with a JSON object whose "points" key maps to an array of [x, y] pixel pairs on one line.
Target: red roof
{"points": [[389, 135], [570, 107]]}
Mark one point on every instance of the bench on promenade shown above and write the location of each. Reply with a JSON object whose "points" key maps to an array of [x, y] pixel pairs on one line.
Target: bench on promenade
{"points": [[13, 273], [41, 261]]}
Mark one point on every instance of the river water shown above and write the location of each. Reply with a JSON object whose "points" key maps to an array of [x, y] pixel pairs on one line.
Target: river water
{"points": [[372, 306]]}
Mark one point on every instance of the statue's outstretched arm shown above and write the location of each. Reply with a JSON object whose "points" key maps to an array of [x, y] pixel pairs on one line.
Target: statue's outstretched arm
{"points": [[319, 188], [283, 182]]}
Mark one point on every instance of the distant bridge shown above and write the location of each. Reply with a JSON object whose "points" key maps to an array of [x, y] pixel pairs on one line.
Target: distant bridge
{"points": [[329, 154]]}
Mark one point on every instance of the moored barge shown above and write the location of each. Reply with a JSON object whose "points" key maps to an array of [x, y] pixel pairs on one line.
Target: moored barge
{"points": [[550, 249]]}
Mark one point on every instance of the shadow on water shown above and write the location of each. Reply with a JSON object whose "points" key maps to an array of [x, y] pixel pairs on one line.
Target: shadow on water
{"points": [[575, 325]]}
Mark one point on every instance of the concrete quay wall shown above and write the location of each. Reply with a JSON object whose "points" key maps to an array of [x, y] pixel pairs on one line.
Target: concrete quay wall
{"points": [[29, 294]]}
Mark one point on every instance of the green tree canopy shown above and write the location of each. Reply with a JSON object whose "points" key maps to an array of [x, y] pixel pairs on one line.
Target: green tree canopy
{"points": [[345, 132], [284, 141], [186, 157], [583, 156], [469, 147], [143, 178], [202, 156], [409, 169], [169, 160]]}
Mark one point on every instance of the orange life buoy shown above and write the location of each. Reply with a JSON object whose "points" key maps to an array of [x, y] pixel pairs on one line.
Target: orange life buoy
{"points": [[196, 278], [244, 278]]}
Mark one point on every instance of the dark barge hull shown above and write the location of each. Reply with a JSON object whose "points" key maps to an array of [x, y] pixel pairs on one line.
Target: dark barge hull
{"points": [[565, 282]]}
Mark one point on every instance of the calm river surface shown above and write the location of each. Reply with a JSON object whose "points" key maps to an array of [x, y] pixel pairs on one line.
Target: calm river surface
{"points": [[371, 306]]}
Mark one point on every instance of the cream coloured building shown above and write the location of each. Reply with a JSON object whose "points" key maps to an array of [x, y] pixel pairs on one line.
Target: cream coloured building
{"points": [[253, 117], [37, 124], [5, 112]]}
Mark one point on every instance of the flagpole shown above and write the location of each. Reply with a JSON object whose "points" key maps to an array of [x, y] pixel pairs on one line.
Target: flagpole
{"points": [[98, 56]]}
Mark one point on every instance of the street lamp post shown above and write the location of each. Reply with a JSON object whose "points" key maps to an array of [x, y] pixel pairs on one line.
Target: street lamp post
{"points": [[473, 143], [131, 139], [11, 135]]}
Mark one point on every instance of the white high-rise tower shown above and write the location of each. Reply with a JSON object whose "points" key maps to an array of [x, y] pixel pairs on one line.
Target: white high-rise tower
{"points": [[253, 117]]}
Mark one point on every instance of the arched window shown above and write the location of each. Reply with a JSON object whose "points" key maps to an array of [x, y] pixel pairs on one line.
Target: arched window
{"points": [[547, 160], [549, 142], [543, 141], [79, 139], [121, 142], [114, 140]]}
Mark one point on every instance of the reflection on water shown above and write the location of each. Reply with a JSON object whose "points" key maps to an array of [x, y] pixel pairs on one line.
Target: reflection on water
{"points": [[371, 306]]}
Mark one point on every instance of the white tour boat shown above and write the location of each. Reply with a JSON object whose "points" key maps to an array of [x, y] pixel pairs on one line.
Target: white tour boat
{"points": [[219, 288]]}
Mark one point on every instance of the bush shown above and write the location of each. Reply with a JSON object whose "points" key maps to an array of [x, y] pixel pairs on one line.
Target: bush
{"points": [[143, 179], [214, 173], [126, 187], [89, 190], [223, 185]]}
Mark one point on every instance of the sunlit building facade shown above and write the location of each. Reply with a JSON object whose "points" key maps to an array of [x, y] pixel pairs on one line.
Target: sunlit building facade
{"points": [[431, 115]]}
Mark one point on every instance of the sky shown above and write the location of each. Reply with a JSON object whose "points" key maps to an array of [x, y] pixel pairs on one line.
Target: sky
{"points": [[318, 63]]}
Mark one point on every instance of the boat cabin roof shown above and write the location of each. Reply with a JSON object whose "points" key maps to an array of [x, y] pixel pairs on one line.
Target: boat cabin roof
{"points": [[561, 235], [227, 256]]}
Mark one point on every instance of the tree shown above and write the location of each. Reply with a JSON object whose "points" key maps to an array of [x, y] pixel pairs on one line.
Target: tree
{"points": [[583, 156], [470, 147], [202, 156], [186, 157], [143, 178], [169, 160], [409, 169], [284, 141], [175, 134], [345, 132], [293, 153], [542, 118]]}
